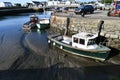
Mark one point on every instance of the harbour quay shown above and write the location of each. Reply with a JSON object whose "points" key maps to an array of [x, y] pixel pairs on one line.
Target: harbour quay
{"points": [[89, 23], [17, 10]]}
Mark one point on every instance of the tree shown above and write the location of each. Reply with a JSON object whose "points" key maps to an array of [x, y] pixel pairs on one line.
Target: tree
{"points": [[106, 1]]}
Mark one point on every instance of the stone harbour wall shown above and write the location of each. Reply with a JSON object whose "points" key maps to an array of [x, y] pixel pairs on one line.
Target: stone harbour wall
{"points": [[111, 28]]}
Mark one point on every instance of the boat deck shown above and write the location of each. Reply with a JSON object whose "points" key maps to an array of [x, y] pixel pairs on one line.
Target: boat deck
{"points": [[67, 40]]}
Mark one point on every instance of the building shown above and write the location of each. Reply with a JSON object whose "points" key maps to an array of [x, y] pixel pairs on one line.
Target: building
{"points": [[61, 2], [53, 2], [34, 4], [6, 4], [30, 5]]}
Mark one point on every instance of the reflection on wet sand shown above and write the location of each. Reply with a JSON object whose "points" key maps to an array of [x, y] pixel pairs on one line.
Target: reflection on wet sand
{"points": [[54, 72]]}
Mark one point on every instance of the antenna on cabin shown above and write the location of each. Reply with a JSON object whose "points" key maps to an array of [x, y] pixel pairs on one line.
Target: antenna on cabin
{"points": [[100, 27]]}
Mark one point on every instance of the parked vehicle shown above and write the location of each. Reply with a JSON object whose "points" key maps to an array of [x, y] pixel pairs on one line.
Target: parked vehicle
{"points": [[99, 5], [58, 9], [116, 10], [84, 9], [65, 9], [108, 7]]}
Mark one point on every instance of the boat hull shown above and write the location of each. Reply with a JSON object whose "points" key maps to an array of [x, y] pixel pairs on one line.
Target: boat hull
{"points": [[90, 54], [42, 26], [28, 26]]}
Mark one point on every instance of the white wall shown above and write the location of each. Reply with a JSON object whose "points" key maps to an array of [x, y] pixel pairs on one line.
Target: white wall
{"points": [[2, 4], [53, 3]]}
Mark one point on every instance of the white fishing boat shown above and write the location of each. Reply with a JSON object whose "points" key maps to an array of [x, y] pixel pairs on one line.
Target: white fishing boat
{"points": [[82, 43]]}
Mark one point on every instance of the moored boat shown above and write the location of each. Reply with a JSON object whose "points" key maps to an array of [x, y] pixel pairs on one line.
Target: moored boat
{"points": [[43, 23], [82, 43], [37, 23], [32, 23]]}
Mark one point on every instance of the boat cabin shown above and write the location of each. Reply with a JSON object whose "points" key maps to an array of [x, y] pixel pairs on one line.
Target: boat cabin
{"points": [[84, 40], [33, 19]]}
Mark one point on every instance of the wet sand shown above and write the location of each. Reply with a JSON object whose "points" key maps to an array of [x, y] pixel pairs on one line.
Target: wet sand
{"points": [[28, 56], [33, 60]]}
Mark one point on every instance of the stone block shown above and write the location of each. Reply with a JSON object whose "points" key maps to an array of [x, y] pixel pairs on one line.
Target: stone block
{"points": [[119, 37], [102, 34], [107, 35], [113, 36]]}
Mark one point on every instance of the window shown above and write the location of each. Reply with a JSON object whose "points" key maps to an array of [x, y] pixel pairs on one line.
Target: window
{"points": [[91, 42], [75, 40], [36, 18], [82, 41]]}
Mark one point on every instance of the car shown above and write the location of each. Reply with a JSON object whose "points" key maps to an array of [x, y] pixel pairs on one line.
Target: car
{"points": [[56, 9], [65, 9], [108, 7], [99, 5], [84, 9]]}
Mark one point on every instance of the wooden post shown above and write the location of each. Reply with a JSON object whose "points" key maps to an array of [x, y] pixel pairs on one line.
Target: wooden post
{"points": [[67, 25]]}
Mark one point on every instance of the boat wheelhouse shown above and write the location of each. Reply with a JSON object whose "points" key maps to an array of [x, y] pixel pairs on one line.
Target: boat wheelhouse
{"points": [[84, 40]]}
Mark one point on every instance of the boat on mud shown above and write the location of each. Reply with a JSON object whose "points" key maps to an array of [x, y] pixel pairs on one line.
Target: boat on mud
{"points": [[82, 44], [37, 23]]}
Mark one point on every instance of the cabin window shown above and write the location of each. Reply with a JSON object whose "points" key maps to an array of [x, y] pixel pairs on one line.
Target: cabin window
{"points": [[82, 41], [36, 18], [75, 40], [31, 19], [91, 42]]}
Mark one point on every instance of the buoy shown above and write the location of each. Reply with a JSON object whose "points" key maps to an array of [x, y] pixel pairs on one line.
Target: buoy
{"points": [[54, 43], [48, 41], [61, 47]]}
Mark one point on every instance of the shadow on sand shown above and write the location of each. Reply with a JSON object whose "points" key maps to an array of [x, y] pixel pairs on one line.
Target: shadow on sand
{"points": [[106, 72], [113, 53]]}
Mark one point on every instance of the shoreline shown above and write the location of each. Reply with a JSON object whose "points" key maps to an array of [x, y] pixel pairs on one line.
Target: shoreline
{"points": [[17, 10]]}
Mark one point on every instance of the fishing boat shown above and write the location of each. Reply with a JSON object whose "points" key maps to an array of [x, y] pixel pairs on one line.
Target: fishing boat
{"points": [[31, 23], [43, 23], [82, 44], [37, 23]]}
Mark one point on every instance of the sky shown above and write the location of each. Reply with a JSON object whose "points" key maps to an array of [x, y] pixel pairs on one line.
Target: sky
{"points": [[24, 1]]}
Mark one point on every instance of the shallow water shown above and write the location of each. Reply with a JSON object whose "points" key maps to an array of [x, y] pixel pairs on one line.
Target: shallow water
{"points": [[12, 38]]}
